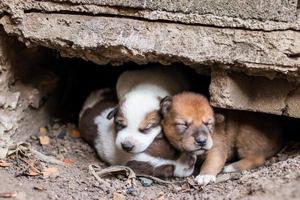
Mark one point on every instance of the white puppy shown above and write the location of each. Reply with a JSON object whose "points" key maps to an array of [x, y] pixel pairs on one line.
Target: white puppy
{"points": [[159, 159], [137, 117]]}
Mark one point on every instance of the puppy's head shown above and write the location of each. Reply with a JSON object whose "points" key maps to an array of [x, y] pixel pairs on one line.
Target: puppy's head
{"points": [[137, 122], [188, 122]]}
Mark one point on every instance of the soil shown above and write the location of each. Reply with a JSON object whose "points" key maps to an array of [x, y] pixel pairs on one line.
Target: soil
{"points": [[279, 178]]}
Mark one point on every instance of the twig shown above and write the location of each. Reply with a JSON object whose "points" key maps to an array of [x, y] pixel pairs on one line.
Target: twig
{"points": [[160, 181], [131, 175], [48, 159], [25, 147]]}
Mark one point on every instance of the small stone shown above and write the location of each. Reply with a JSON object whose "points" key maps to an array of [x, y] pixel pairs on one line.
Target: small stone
{"points": [[132, 191], [34, 98], [146, 182], [33, 137], [283, 157], [55, 126], [62, 134]]}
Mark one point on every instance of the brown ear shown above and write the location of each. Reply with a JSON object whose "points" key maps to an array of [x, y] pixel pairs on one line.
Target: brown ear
{"points": [[165, 105], [219, 118], [112, 113]]}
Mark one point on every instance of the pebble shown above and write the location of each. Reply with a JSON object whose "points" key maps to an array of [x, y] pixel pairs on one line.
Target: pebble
{"points": [[146, 182], [132, 191]]}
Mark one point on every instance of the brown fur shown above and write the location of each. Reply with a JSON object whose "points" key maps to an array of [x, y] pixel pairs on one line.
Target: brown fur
{"points": [[186, 108], [152, 118], [163, 149], [87, 127], [145, 168], [253, 137]]}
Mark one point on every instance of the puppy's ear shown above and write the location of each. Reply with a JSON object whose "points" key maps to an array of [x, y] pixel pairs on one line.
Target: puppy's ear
{"points": [[219, 118], [165, 105], [112, 113]]}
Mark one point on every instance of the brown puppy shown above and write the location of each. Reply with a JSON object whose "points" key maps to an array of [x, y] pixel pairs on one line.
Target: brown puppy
{"points": [[190, 125]]}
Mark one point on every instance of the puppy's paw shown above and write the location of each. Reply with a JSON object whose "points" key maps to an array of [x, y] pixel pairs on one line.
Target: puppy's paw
{"points": [[229, 168], [205, 179]]}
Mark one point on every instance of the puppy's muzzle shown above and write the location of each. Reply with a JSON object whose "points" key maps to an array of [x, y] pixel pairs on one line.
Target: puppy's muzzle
{"points": [[200, 141], [127, 146], [200, 137]]}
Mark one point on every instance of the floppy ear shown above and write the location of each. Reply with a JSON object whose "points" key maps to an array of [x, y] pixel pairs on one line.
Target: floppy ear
{"points": [[219, 118], [112, 113], [165, 105]]}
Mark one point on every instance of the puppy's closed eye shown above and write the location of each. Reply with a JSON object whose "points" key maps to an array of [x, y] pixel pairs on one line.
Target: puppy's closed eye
{"points": [[209, 124], [148, 127], [181, 127]]}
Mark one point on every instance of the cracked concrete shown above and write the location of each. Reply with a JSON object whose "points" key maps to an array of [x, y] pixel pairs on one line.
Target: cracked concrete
{"points": [[17, 119], [290, 20], [258, 94], [114, 40]]}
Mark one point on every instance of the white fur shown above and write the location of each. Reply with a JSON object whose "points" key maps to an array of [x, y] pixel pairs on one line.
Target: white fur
{"points": [[229, 168], [140, 90], [110, 153], [105, 141], [205, 179], [138, 103]]}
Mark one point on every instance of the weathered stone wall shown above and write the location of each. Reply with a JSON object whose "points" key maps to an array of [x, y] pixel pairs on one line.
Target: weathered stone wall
{"points": [[23, 85], [242, 92]]}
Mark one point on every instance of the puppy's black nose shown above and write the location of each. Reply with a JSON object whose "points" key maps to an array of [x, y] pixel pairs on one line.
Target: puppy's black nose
{"points": [[200, 141], [127, 146]]}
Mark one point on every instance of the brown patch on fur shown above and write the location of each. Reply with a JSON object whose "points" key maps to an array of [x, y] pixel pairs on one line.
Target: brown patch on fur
{"points": [[164, 171], [160, 147], [140, 168], [152, 118], [87, 127], [119, 118]]}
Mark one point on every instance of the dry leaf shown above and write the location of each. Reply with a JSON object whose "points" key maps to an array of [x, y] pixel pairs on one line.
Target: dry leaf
{"points": [[161, 196], [118, 196], [51, 171], [43, 131], [75, 134], [68, 161], [44, 140], [39, 188], [5, 164], [32, 172]]}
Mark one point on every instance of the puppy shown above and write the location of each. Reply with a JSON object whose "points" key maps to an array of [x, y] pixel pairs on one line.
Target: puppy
{"points": [[190, 125], [159, 159], [137, 116]]}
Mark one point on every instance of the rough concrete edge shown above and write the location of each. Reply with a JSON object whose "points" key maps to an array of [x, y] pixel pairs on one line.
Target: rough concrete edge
{"points": [[126, 54], [191, 6], [219, 76], [16, 11]]}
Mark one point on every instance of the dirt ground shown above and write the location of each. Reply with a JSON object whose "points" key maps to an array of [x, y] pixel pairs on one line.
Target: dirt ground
{"points": [[25, 177]]}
